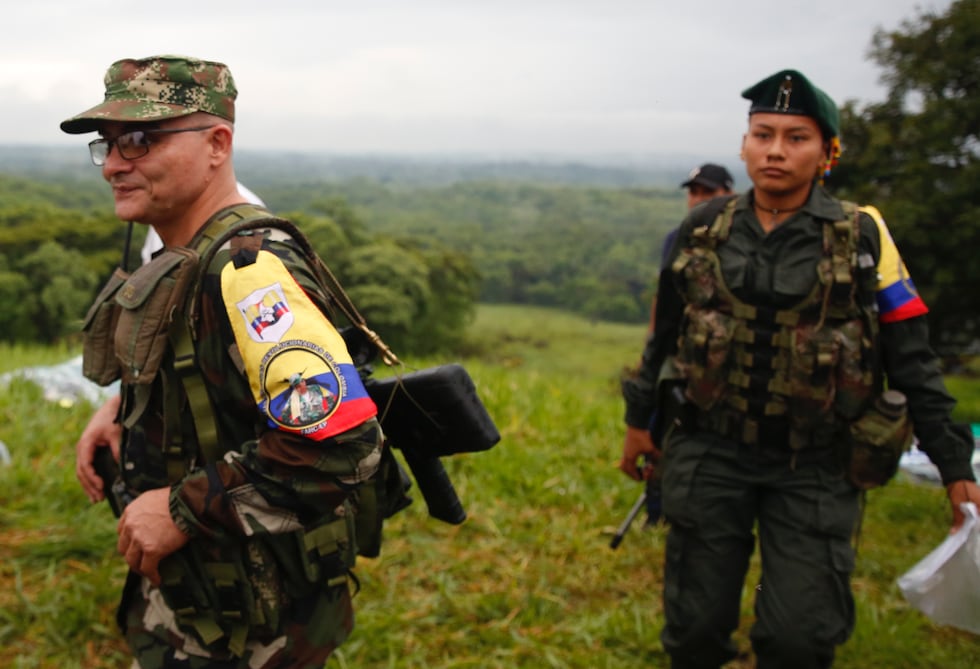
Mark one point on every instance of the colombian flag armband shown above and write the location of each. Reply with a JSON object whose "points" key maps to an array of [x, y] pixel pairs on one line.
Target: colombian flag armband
{"points": [[896, 295], [299, 370]]}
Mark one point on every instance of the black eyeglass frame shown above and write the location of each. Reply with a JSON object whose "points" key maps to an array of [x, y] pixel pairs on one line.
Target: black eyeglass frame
{"points": [[95, 146]]}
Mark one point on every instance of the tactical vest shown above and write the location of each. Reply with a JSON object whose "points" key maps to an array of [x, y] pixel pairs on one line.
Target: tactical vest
{"points": [[763, 375], [144, 326]]}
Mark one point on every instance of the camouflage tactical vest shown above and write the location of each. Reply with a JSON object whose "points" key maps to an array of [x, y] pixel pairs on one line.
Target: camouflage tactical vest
{"points": [[758, 374], [144, 329]]}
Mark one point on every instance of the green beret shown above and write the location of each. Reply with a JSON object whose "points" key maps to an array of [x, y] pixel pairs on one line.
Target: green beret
{"points": [[158, 88], [789, 92]]}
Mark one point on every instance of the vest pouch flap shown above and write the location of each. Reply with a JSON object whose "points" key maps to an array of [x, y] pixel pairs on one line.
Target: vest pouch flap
{"points": [[149, 300], [99, 364]]}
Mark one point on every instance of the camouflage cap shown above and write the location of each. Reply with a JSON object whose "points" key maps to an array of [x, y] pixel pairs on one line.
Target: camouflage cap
{"points": [[158, 88], [789, 92]]}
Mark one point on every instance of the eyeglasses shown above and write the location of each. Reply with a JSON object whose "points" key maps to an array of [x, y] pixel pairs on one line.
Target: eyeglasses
{"points": [[133, 144]]}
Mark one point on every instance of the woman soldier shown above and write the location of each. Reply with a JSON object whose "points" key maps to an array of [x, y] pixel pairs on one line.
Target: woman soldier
{"points": [[782, 317]]}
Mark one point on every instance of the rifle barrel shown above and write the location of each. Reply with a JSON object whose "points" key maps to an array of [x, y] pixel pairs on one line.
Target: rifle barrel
{"points": [[630, 517]]}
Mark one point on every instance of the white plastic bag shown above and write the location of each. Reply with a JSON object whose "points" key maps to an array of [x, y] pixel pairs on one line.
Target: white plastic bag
{"points": [[945, 585]]}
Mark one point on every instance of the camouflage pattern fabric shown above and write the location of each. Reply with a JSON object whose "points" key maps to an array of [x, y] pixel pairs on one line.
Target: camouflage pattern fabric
{"points": [[159, 88], [758, 373], [288, 551], [317, 626]]}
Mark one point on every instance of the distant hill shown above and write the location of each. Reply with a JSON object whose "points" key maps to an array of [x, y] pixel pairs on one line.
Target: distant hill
{"points": [[268, 168]]}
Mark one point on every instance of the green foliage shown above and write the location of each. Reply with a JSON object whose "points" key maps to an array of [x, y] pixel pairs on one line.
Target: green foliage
{"points": [[917, 157], [528, 581], [966, 390], [417, 293], [591, 250], [47, 294]]}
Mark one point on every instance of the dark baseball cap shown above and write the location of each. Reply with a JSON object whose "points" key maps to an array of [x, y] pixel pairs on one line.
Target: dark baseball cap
{"points": [[710, 176]]}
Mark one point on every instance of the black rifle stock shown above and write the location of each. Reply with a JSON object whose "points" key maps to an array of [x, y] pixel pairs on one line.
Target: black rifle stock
{"points": [[429, 414]]}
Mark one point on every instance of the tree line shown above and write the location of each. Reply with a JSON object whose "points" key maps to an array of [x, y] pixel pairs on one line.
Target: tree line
{"points": [[414, 261], [917, 155]]}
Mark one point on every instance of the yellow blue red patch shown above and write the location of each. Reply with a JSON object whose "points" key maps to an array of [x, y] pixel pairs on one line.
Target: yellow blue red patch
{"points": [[299, 370], [897, 297]]}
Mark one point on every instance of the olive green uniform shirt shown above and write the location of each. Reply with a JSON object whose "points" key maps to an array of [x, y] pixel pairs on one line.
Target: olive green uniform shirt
{"points": [[777, 270]]}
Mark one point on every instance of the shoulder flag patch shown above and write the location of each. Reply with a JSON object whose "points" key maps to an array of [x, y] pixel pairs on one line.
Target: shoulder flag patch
{"points": [[897, 297], [300, 372]]}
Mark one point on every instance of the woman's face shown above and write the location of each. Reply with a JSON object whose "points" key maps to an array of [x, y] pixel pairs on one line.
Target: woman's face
{"points": [[783, 153]]}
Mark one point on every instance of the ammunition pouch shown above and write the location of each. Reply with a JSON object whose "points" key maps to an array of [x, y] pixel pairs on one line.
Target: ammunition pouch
{"points": [[99, 363], [876, 443], [224, 593], [150, 298]]}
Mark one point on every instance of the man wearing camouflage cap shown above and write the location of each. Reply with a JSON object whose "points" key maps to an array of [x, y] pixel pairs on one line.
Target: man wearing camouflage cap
{"points": [[783, 314], [239, 530]]}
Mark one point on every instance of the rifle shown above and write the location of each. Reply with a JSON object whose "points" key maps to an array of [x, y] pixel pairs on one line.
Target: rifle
{"points": [[428, 414], [630, 517], [649, 499], [115, 491]]}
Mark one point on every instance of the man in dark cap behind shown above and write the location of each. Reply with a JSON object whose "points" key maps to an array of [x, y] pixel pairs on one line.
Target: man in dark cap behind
{"points": [[237, 527], [782, 317], [703, 183]]}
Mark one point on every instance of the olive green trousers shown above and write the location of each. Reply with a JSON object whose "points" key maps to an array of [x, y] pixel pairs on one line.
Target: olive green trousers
{"points": [[716, 495]]}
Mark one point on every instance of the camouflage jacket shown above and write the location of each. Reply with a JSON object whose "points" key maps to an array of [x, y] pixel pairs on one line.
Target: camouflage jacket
{"points": [[268, 498], [268, 479]]}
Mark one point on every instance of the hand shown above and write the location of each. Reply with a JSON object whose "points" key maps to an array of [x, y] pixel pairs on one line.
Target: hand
{"points": [[102, 431], [147, 533], [637, 444], [960, 492]]}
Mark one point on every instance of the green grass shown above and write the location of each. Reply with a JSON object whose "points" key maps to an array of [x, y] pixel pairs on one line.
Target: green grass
{"points": [[527, 581]]}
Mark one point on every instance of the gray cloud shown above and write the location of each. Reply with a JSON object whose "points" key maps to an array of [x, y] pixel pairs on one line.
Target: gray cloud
{"points": [[567, 78]]}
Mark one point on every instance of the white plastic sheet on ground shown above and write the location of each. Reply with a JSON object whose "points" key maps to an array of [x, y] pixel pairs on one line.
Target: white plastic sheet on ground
{"points": [[62, 383]]}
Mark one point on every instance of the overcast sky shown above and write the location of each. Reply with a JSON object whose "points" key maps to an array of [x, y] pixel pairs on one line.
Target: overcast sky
{"points": [[508, 78]]}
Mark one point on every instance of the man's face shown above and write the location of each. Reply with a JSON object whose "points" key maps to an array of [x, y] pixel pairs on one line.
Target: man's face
{"points": [[159, 186], [783, 153], [698, 193]]}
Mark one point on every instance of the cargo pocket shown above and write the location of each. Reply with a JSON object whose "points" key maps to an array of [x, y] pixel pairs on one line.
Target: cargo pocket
{"points": [[683, 455], [837, 512]]}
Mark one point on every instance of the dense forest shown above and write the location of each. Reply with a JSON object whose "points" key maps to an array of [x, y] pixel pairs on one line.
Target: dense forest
{"points": [[415, 258]]}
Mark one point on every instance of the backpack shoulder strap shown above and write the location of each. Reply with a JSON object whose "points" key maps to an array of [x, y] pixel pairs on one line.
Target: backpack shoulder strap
{"points": [[183, 334]]}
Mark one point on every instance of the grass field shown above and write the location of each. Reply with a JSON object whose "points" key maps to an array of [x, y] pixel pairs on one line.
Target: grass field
{"points": [[527, 581]]}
